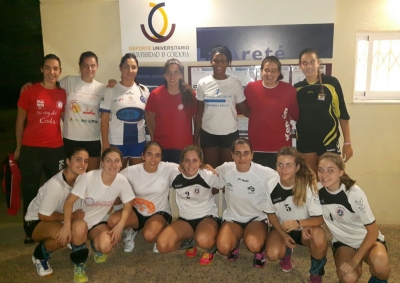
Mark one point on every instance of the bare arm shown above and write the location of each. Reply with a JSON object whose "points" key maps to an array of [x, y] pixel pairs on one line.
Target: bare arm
{"points": [[290, 225], [273, 219], [116, 232], [243, 108], [64, 236], [104, 128], [347, 148], [151, 123], [197, 121], [19, 129]]}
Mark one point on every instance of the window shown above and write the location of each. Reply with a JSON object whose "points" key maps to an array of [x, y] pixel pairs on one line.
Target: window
{"points": [[377, 76]]}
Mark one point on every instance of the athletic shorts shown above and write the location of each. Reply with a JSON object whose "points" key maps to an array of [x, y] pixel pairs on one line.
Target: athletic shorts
{"points": [[142, 219], [131, 150], [100, 223], [92, 147], [310, 145], [265, 159], [244, 224], [222, 141], [296, 236], [29, 226], [336, 245], [171, 155], [195, 222]]}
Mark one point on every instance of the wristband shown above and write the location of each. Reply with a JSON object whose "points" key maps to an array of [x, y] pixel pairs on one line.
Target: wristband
{"points": [[298, 222], [346, 143]]}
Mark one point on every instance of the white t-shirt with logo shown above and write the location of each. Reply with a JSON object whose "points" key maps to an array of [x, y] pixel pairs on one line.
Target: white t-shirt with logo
{"points": [[99, 198], [126, 107], [220, 98], [82, 119], [151, 189], [245, 192]]}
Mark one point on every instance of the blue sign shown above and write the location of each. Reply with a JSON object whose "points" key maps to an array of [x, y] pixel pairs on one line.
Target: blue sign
{"points": [[257, 42], [152, 77]]}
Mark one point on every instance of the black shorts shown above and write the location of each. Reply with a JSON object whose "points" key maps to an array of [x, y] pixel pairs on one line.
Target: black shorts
{"points": [[296, 236], [310, 145], [171, 155], [142, 219], [222, 141], [244, 224], [195, 222], [92, 147], [265, 159], [100, 223], [29, 226], [336, 245]]}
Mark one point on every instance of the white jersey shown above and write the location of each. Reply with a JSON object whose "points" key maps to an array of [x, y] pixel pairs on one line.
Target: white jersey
{"points": [[126, 107], [194, 196], [346, 213], [50, 198], [220, 98], [99, 198], [81, 120], [245, 193], [280, 202], [151, 189]]}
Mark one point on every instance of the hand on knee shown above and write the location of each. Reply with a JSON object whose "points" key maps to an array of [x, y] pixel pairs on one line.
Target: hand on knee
{"points": [[351, 277]]}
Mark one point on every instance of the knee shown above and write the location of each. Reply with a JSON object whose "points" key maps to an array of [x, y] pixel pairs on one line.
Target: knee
{"points": [[272, 254], [164, 245], [150, 236], [380, 265], [224, 246], [319, 238], [104, 243], [204, 240], [113, 220], [253, 243], [79, 229], [348, 277]]}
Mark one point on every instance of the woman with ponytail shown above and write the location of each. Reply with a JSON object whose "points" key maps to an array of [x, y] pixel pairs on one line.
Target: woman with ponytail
{"points": [[347, 214], [170, 111], [322, 109], [295, 213]]}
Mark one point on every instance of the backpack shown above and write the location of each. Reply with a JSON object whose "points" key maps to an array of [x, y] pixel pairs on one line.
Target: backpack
{"points": [[11, 184]]}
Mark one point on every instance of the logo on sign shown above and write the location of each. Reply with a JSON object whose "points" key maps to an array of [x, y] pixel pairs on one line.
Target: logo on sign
{"points": [[157, 37]]}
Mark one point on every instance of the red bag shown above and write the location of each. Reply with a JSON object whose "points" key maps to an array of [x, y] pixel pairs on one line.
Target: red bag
{"points": [[11, 184]]}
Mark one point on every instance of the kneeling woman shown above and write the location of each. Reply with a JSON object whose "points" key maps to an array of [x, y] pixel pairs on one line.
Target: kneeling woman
{"points": [[43, 219], [150, 183], [198, 213], [98, 189], [355, 235], [295, 214], [245, 193]]}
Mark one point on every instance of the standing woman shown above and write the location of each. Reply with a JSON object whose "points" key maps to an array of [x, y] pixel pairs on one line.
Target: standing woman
{"points": [[98, 189], [216, 125], [198, 213], [355, 234], [150, 183], [245, 194], [43, 220], [82, 118], [40, 146], [122, 113], [295, 214], [170, 111], [272, 104], [322, 110]]}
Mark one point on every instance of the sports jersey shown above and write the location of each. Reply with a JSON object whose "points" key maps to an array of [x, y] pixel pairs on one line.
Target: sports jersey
{"points": [[319, 114], [151, 189], [81, 120], [50, 198], [271, 111], [245, 192], [220, 98], [126, 107], [173, 120], [346, 213], [280, 202], [43, 112], [194, 196], [99, 198]]}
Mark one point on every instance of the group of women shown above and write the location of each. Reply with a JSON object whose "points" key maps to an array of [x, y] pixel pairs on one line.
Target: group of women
{"points": [[289, 198]]}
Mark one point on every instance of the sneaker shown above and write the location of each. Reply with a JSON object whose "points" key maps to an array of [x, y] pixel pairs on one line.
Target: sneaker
{"points": [[80, 273], [192, 252], [155, 250], [99, 257], [207, 259], [259, 260], [42, 266], [315, 278], [129, 242], [233, 255], [286, 262]]}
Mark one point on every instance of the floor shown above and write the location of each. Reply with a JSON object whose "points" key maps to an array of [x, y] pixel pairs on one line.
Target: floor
{"points": [[142, 265]]}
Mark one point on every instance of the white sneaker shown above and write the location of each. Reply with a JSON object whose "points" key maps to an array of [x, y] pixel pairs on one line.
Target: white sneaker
{"points": [[155, 250], [42, 266], [130, 241]]}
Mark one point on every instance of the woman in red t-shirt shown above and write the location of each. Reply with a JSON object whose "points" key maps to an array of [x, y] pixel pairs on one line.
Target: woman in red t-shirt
{"points": [[169, 112], [40, 146]]}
